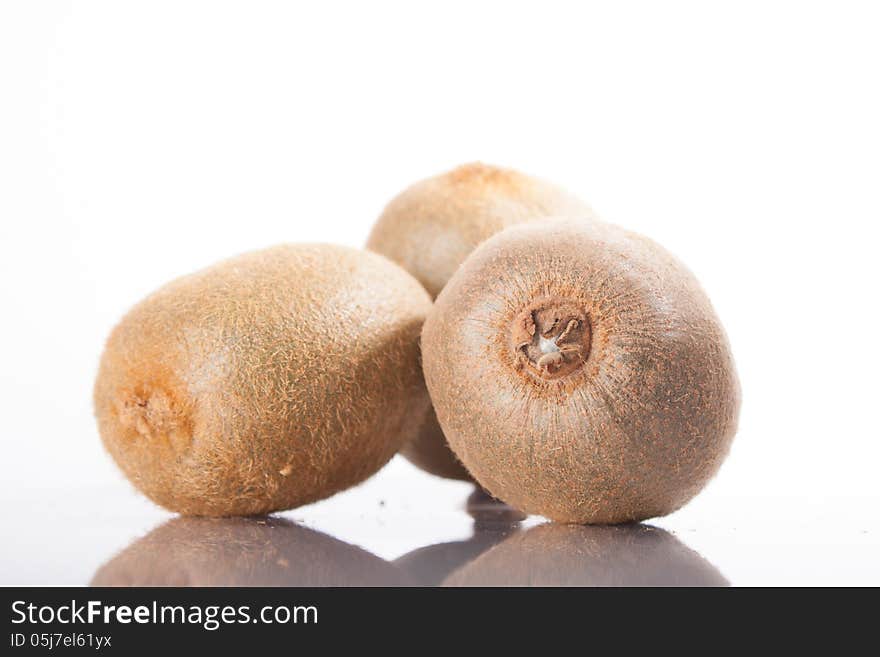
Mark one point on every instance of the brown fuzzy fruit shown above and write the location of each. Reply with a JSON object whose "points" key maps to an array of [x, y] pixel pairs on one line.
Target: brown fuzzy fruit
{"points": [[431, 227], [566, 555], [243, 552], [579, 372], [267, 381]]}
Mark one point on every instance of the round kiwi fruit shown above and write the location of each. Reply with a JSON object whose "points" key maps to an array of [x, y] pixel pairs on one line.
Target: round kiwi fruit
{"points": [[244, 552], [571, 555], [265, 382], [580, 373], [431, 227]]}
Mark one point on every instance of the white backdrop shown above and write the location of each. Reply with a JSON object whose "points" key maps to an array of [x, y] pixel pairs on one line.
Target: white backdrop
{"points": [[141, 141]]}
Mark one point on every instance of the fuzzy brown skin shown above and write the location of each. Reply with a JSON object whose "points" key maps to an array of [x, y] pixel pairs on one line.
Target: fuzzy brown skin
{"points": [[567, 555], [243, 552], [431, 227], [626, 418], [265, 382]]}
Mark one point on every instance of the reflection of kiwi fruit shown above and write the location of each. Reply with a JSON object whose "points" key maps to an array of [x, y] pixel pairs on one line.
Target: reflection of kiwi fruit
{"points": [[570, 555], [270, 380], [580, 373], [493, 522], [431, 227], [430, 565], [243, 552]]}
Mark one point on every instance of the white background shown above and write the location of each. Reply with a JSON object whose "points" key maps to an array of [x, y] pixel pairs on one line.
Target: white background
{"points": [[141, 141]]}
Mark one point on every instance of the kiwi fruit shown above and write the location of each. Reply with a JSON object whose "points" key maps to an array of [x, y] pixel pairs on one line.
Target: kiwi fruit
{"points": [[268, 381], [577, 555], [243, 552], [580, 373], [431, 227]]}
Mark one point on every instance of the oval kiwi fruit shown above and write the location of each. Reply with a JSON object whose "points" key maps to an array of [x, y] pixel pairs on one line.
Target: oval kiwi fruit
{"points": [[571, 555], [431, 227], [244, 552], [265, 382], [580, 373]]}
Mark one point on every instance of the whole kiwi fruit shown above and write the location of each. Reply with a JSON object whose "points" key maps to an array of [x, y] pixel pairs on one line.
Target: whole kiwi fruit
{"points": [[265, 382], [432, 226], [580, 373], [244, 552], [572, 555]]}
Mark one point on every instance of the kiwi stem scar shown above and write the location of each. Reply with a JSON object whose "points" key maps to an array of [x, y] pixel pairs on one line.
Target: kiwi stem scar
{"points": [[547, 346], [551, 337]]}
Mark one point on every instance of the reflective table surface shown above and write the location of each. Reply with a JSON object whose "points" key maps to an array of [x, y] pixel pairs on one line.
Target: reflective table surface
{"points": [[405, 528]]}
